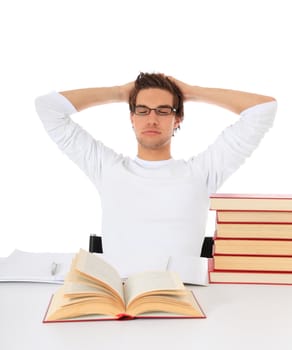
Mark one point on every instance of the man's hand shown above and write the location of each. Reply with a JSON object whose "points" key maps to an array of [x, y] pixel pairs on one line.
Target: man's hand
{"points": [[124, 91], [188, 91]]}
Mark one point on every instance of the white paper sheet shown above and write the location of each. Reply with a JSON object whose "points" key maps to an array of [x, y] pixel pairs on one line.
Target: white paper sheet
{"points": [[23, 266], [191, 269]]}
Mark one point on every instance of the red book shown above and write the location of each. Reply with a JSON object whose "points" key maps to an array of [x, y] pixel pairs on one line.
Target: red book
{"points": [[253, 263], [259, 247], [251, 202], [248, 277], [93, 290], [254, 230], [125, 316], [251, 217]]}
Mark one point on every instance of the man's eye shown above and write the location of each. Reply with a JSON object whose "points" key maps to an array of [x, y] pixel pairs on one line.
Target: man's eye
{"points": [[163, 111], [141, 110]]}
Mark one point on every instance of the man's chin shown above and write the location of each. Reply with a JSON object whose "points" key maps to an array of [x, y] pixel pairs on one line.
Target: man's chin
{"points": [[153, 144]]}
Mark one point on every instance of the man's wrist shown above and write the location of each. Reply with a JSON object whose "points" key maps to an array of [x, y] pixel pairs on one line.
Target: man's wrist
{"points": [[193, 93]]}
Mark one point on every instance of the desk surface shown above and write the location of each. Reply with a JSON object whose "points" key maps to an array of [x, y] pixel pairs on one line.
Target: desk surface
{"points": [[238, 317]]}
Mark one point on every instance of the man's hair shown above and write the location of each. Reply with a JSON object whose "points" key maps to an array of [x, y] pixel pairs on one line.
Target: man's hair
{"points": [[157, 81]]}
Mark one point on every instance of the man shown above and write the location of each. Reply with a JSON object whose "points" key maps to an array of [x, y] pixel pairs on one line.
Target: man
{"points": [[155, 207]]}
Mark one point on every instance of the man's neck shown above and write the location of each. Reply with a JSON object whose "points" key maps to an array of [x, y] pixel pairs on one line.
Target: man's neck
{"points": [[152, 164], [154, 154], [153, 157]]}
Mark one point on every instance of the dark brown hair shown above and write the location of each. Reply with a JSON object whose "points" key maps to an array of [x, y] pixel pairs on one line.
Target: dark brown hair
{"points": [[158, 81]]}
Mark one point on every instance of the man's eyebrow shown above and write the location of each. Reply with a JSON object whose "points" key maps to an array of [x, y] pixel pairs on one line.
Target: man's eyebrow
{"points": [[156, 107]]}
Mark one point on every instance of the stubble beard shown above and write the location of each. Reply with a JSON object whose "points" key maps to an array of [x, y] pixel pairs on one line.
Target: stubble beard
{"points": [[153, 144]]}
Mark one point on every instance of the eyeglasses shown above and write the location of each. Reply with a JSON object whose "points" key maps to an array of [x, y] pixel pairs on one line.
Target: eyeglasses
{"points": [[162, 111]]}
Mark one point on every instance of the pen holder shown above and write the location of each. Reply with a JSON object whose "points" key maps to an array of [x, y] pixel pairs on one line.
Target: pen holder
{"points": [[95, 244]]}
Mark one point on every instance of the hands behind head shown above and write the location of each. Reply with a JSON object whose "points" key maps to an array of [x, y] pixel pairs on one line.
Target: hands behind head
{"points": [[186, 89], [124, 91]]}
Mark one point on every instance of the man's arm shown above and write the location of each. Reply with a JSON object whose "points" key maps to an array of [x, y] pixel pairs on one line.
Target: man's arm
{"points": [[233, 100], [55, 110], [237, 142], [90, 97]]}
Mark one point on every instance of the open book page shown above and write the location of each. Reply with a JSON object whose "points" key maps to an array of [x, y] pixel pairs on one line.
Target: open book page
{"points": [[79, 287], [191, 269], [98, 270], [132, 263], [63, 308], [158, 282], [159, 291], [177, 305], [82, 290]]}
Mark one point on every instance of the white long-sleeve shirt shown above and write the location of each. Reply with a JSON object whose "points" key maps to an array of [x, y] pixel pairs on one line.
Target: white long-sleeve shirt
{"points": [[159, 208]]}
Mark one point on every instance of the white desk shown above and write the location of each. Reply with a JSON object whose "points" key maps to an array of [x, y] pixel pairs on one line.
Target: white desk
{"points": [[238, 317]]}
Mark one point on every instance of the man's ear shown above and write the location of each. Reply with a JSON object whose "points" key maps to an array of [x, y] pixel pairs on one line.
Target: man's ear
{"points": [[177, 122], [131, 118]]}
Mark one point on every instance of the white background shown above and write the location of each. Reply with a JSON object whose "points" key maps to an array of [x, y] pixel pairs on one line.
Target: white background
{"points": [[46, 202]]}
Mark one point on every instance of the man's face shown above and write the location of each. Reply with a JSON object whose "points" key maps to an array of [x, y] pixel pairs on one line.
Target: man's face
{"points": [[154, 132]]}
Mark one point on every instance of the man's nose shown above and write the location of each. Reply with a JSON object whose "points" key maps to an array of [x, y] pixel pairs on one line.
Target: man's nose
{"points": [[152, 116]]}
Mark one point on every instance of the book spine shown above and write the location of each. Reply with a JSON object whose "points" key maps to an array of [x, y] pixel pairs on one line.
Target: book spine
{"points": [[255, 230], [253, 217], [252, 247], [252, 263]]}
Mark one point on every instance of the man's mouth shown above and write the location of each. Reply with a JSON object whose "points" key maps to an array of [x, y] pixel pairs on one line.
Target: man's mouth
{"points": [[151, 132]]}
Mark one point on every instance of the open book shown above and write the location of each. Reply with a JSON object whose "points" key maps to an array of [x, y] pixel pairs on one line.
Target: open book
{"points": [[93, 290]]}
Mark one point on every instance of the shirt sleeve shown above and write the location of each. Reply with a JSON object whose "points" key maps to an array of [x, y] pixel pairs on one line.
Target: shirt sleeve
{"points": [[89, 154], [234, 145]]}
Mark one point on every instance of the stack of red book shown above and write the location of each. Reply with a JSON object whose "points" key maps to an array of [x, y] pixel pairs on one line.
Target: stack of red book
{"points": [[253, 239]]}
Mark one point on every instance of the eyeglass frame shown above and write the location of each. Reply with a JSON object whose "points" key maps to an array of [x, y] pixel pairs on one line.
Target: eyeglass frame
{"points": [[172, 110]]}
